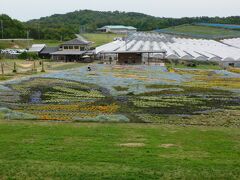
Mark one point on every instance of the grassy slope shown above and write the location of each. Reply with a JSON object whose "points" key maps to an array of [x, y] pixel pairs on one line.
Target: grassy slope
{"points": [[58, 150], [100, 38], [14, 44], [22, 44], [97, 38], [50, 43], [204, 30]]}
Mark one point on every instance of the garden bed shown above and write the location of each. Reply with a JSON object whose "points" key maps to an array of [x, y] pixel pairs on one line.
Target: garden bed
{"points": [[127, 94]]}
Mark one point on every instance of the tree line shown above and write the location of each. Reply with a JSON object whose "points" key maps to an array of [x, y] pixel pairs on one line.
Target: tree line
{"points": [[64, 26]]}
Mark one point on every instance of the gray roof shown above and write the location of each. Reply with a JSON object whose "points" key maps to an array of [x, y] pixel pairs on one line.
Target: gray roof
{"points": [[118, 27], [37, 47], [49, 50], [77, 41], [68, 52], [126, 52]]}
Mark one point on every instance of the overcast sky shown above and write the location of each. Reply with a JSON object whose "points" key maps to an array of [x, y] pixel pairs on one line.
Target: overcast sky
{"points": [[32, 9]]}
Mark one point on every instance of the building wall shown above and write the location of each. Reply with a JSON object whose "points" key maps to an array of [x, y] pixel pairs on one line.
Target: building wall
{"points": [[129, 58], [120, 31], [58, 58], [74, 47], [232, 63]]}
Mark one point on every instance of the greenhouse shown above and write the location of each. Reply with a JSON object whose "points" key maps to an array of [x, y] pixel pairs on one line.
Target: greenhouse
{"points": [[164, 46], [232, 42]]}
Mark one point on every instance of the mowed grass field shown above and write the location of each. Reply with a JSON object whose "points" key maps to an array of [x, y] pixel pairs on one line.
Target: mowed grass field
{"points": [[23, 44], [46, 150], [100, 38], [204, 31]]}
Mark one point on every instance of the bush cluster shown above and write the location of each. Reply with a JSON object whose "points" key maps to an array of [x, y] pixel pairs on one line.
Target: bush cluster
{"points": [[28, 56]]}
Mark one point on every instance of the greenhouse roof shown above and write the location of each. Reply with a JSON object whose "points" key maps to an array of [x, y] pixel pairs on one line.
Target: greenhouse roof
{"points": [[118, 27]]}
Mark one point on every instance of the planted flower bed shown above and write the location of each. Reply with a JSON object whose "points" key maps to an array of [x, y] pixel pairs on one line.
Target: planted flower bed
{"points": [[127, 94]]}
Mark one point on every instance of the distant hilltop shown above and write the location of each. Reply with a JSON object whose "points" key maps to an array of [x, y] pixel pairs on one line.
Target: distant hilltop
{"points": [[65, 26], [225, 26]]}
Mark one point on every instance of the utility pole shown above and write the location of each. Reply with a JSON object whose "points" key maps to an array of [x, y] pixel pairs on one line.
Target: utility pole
{"points": [[2, 27], [28, 39], [80, 29], [38, 28], [2, 68]]}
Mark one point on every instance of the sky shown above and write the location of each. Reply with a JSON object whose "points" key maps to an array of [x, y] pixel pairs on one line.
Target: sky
{"points": [[33, 9]]}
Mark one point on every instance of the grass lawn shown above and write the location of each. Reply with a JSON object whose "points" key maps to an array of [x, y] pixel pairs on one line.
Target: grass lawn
{"points": [[117, 151], [14, 44], [23, 44], [204, 31], [100, 38], [97, 38], [51, 43]]}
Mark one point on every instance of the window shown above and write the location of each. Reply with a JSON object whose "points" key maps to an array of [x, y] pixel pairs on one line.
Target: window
{"points": [[231, 64], [70, 47], [65, 47], [76, 47], [82, 48]]}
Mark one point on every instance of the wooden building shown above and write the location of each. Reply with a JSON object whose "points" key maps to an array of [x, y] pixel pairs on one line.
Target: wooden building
{"points": [[72, 51], [129, 58], [47, 51]]}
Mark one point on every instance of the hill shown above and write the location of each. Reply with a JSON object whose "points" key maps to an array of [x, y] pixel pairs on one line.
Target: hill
{"points": [[64, 26], [12, 27], [198, 31]]}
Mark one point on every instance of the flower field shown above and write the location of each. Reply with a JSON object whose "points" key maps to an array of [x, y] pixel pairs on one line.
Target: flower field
{"points": [[127, 94]]}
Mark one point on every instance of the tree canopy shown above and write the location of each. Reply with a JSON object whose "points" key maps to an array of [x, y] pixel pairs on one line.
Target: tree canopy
{"points": [[64, 26]]}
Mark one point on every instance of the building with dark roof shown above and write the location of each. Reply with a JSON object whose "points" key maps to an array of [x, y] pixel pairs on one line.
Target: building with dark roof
{"points": [[47, 51], [77, 41], [71, 51]]}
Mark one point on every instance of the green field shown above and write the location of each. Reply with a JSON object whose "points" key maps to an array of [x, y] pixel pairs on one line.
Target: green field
{"points": [[100, 38], [14, 44], [23, 44], [97, 38], [203, 31], [51, 43], [45, 150]]}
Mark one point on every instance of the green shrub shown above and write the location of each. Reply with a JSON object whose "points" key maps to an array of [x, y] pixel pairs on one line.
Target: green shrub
{"points": [[9, 114], [28, 55]]}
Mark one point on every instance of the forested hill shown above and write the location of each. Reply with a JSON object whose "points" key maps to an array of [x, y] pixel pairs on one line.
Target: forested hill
{"points": [[12, 28], [71, 23], [66, 25]]}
